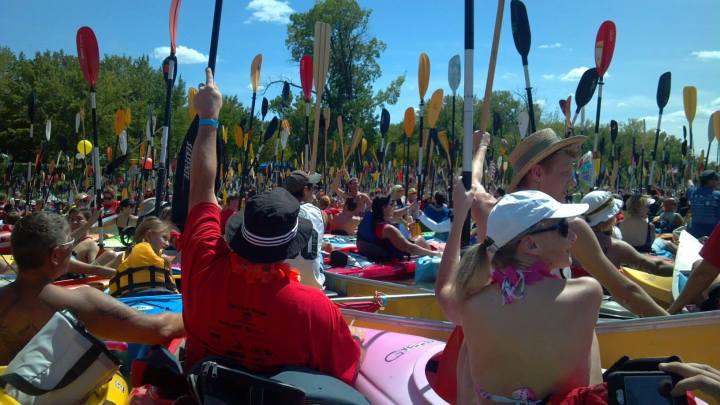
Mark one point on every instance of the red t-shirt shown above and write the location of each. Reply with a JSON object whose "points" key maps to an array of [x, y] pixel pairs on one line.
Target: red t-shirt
{"points": [[225, 214], [711, 249], [112, 207], [260, 325]]}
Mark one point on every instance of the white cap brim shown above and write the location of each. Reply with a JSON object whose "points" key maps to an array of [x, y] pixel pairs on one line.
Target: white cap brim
{"points": [[314, 178], [569, 211]]}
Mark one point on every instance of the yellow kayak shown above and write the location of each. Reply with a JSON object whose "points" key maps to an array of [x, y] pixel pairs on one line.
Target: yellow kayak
{"points": [[115, 392], [659, 288]]}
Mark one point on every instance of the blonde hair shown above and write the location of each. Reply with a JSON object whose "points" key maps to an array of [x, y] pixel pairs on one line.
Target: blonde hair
{"points": [[474, 267], [635, 205], [152, 224]]}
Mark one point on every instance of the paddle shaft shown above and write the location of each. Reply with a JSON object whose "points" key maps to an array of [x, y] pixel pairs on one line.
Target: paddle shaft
{"points": [[597, 115], [707, 156], [306, 160], [528, 91], [96, 164], [419, 171], [162, 167], [468, 107], [651, 179], [383, 297], [485, 114], [247, 144], [451, 147]]}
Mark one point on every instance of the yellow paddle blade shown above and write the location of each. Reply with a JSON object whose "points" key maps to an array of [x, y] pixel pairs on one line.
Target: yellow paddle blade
{"points": [[326, 115], [363, 147], [434, 107], [442, 137], [357, 137], [128, 117], [340, 133], [423, 74], [252, 154], [716, 124], [346, 148], [333, 147], [409, 123], [426, 135], [238, 136], [255, 72], [119, 121], [690, 102], [505, 166], [192, 91], [124, 194], [285, 125], [142, 149], [224, 134], [225, 197]]}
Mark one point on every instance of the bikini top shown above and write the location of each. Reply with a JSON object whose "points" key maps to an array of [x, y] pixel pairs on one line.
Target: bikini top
{"points": [[512, 281]]}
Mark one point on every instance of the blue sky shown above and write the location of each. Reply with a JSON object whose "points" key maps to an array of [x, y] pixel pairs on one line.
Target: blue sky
{"points": [[653, 36]]}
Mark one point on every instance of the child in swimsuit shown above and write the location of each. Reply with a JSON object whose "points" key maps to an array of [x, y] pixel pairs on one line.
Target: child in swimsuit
{"points": [[528, 333]]}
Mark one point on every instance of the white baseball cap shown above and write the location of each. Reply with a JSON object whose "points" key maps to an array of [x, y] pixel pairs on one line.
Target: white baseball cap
{"points": [[515, 213], [602, 206]]}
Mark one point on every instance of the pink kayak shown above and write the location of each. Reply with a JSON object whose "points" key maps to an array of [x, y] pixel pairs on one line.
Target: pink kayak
{"points": [[396, 368]]}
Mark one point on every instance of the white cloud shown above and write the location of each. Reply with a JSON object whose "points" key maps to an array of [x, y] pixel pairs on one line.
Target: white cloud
{"points": [[548, 76], [548, 46], [276, 11], [508, 76], [573, 74], [184, 54], [716, 102], [706, 55], [260, 87]]}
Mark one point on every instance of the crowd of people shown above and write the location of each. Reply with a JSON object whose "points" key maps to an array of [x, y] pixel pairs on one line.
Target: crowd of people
{"points": [[252, 270]]}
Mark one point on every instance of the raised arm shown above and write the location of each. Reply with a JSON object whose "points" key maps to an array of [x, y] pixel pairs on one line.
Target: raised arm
{"points": [[587, 251], [203, 164], [335, 186], [479, 160]]}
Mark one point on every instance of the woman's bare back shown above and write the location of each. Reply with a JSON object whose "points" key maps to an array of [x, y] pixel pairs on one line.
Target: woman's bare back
{"points": [[542, 341]]}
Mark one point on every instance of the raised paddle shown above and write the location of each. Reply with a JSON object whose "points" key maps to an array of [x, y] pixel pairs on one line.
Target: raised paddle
{"points": [[384, 126], [713, 132], [321, 62], [269, 132], [523, 123], [613, 135], [433, 112], [522, 38], [356, 139], [584, 92], [181, 185], [48, 130], [264, 108], [454, 82], [690, 106], [326, 132], [306, 80], [662, 97], [423, 80], [169, 74], [408, 129], [485, 112], [604, 48], [255, 82], [32, 107], [89, 58]]}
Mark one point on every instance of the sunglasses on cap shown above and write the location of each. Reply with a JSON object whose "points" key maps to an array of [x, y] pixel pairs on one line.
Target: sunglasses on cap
{"points": [[562, 227]]}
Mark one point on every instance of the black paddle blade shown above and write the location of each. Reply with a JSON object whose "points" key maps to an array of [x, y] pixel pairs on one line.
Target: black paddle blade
{"points": [[271, 128], [684, 132], [663, 90], [242, 124], [286, 94], [683, 148], [181, 185], [393, 147], [322, 122], [613, 131], [384, 121], [601, 146], [32, 104], [264, 108], [117, 162], [497, 123], [520, 28], [63, 143], [586, 88]]}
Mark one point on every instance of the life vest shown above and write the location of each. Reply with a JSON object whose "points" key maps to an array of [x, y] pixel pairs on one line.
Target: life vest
{"points": [[142, 270], [372, 246]]}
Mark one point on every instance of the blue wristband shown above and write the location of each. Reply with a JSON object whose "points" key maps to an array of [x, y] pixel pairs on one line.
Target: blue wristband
{"points": [[212, 122]]}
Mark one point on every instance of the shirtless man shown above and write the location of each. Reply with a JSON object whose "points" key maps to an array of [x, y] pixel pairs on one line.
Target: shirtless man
{"points": [[86, 249], [41, 245], [362, 199], [347, 221]]}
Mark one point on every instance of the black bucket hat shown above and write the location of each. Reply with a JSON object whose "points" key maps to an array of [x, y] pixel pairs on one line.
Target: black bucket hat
{"points": [[270, 230]]}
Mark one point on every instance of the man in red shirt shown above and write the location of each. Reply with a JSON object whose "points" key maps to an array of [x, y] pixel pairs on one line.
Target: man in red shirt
{"points": [[705, 274], [240, 300]]}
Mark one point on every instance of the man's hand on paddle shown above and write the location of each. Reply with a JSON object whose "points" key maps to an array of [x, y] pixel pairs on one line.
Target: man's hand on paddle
{"points": [[208, 99]]}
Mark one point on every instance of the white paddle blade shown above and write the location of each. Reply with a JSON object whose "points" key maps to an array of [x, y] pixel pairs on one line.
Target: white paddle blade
{"points": [[454, 72], [523, 123], [122, 142], [48, 130]]}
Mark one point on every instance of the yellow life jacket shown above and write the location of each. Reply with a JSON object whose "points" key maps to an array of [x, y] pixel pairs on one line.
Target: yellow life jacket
{"points": [[142, 270]]}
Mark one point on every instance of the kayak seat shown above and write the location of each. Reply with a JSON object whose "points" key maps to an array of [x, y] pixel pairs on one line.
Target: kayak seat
{"points": [[373, 251], [320, 388]]}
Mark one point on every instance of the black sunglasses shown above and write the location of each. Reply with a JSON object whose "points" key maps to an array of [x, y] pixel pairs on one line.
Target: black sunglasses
{"points": [[562, 227]]}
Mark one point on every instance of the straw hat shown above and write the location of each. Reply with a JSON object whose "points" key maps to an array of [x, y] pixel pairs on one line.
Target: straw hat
{"points": [[534, 149]]}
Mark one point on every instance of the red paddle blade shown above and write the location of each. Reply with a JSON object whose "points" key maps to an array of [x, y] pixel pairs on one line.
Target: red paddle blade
{"points": [[306, 75], [174, 10], [562, 105], [604, 47], [88, 55]]}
